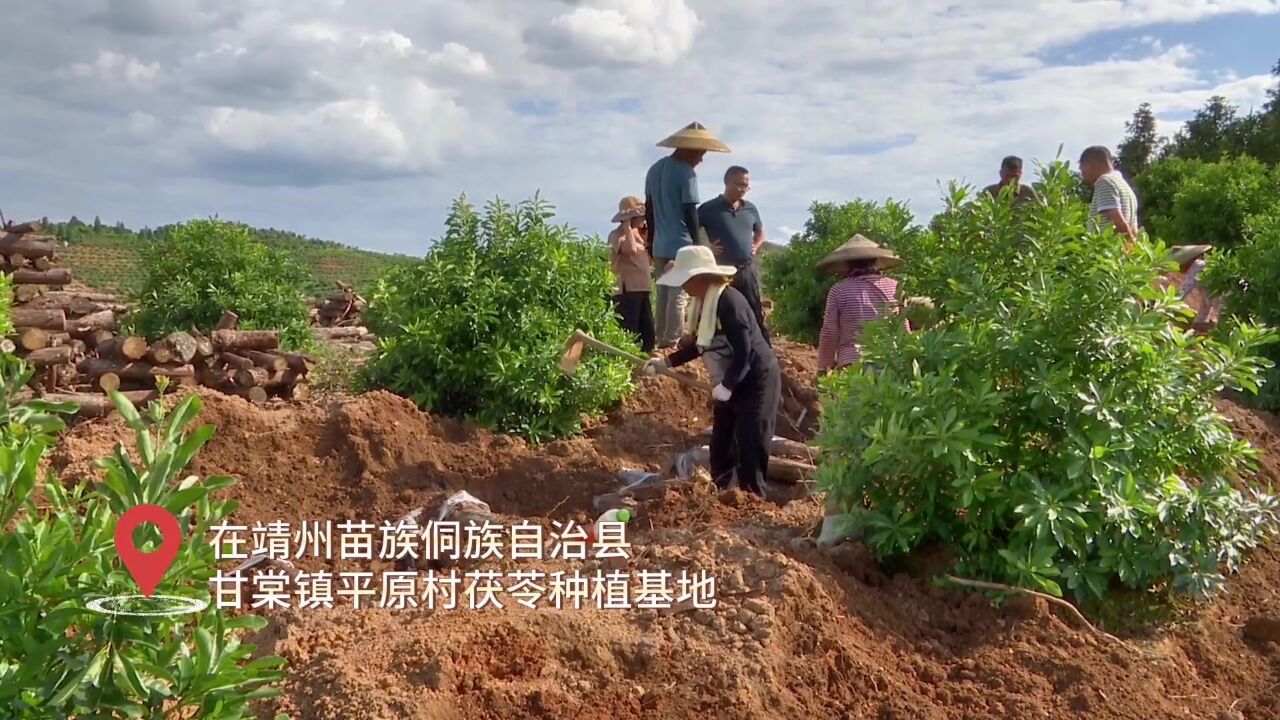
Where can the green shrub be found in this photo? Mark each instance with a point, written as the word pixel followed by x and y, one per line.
pixel 198 269
pixel 1054 426
pixel 6 303
pixel 477 329
pixel 1188 202
pixel 798 290
pixel 1247 279
pixel 59 659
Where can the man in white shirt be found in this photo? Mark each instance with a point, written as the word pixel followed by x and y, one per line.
pixel 1113 199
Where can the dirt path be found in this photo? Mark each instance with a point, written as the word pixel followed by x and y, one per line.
pixel 798 633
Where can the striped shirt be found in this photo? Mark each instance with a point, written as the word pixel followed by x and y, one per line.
pixel 862 296
pixel 1111 192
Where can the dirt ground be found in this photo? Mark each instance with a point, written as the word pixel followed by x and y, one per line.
pixel 798 633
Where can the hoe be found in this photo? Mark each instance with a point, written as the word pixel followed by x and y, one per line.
pixel 573 355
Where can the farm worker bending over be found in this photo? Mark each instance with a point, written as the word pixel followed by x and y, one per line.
pixel 862 295
pixel 748 381
pixel 1190 259
pixel 671 204
pixel 630 259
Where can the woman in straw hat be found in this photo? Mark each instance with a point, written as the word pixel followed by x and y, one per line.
pixel 742 365
pixel 862 295
pixel 671 200
pixel 629 257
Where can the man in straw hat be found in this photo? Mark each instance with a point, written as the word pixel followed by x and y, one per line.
pixel 671 201
pixel 863 294
pixel 629 256
pixel 742 365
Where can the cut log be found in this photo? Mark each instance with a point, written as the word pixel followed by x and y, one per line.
pixel 42 263
pixel 50 356
pixel 283 380
pixel 125 347
pixel 97 338
pixel 227 321
pixel 85 326
pixel 58 339
pixel 55 320
pixel 240 340
pixel 300 363
pixel 269 361
pixel 300 391
pixel 27 245
pixel 26 227
pixel 97 367
pixel 255 395
pixel 182 346
pixel 78 347
pixel 781 470
pixel 93 405
pixel 159 354
pixel 204 346
pixel 109 381
pixel 29 276
pixel 253 377
pixel 33 339
pixel 23 294
pixel 60 298
pixel 235 362
pixel 358 332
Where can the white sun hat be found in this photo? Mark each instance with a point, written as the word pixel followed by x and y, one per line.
pixel 692 261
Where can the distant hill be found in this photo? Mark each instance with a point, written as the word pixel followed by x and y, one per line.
pixel 106 257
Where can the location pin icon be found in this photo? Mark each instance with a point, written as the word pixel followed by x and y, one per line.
pixel 148 569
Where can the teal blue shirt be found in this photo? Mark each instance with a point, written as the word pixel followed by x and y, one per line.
pixel 670 185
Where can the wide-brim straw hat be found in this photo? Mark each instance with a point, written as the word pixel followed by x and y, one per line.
pixel 691 262
pixel 629 207
pixel 1183 254
pixel 695 136
pixel 858 248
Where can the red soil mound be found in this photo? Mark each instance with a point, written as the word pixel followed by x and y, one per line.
pixel 798 633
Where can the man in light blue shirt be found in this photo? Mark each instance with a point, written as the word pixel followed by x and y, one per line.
pixel 671 205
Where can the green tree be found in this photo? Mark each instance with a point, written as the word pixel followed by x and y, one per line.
pixel 1141 142
pixel 1051 423
pixel 798 291
pixel 1191 202
pixel 1211 134
pixel 476 330
pixel 59 659
pixel 195 271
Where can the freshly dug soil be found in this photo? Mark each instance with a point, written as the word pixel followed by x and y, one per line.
pixel 798 633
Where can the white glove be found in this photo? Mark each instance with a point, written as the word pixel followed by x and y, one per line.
pixel 721 393
pixel 654 366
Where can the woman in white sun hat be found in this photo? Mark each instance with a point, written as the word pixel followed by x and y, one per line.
pixel 723 331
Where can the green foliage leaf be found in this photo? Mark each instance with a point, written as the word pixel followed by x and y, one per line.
pixel 1054 424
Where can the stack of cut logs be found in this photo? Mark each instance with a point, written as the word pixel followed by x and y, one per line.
pixel 68 337
pixel 339 319
pixel 341 309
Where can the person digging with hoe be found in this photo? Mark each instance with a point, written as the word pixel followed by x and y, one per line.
pixel 742 366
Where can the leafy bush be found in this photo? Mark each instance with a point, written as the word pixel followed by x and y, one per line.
pixel 1247 279
pixel 477 329
pixel 1052 425
pixel 59 659
pixel 798 291
pixel 198 269
pixel 6 302
pixel 1188 202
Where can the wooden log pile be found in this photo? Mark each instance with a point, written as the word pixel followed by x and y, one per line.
pixel 344 308
pixel 70 338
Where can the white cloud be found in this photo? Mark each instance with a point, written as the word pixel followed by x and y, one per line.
pixel 280 112
pixel 626 32
pixel 113 71
pixel 458 58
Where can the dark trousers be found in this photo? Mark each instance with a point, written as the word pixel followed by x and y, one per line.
pixel 636 315
pixel 747 281
pixel 742 431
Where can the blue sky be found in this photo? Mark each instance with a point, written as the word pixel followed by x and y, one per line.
pixel 361 121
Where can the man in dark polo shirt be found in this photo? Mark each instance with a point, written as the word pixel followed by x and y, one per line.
pixel 1011 174
pixel 736 234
